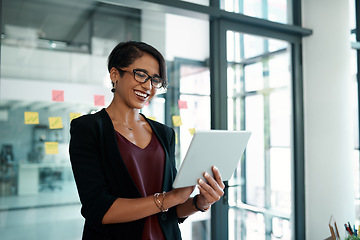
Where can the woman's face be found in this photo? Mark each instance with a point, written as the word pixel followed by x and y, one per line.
pixel 133 93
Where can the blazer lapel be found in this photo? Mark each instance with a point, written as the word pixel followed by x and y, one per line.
pixel 168 173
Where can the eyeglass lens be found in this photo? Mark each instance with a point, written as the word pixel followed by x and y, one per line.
pixel 142 76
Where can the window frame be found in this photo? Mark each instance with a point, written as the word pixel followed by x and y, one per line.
pixel 218 66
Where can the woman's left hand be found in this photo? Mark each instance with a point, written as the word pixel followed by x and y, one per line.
pixel 210 191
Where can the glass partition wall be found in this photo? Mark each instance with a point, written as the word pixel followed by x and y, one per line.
pixel 54 69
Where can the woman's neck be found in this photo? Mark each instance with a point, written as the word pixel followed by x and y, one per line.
pixel 121 113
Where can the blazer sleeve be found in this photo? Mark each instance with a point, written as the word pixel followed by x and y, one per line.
pixel 88 172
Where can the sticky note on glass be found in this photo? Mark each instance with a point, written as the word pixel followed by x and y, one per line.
pixel 51 148
pixel 74 115
pixel 99 100
pixel 192 131
pixel 58 95
pixel 182 104
pixel 31 117
pixel 55 123
pixel 176 121
pixel 152 118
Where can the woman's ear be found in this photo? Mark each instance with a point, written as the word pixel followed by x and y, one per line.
pixel 113 75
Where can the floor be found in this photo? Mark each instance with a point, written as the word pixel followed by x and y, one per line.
pixel 55 223
pixel 55 215
pixel 49 215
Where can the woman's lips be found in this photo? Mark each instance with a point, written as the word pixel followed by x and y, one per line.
pixel 141 94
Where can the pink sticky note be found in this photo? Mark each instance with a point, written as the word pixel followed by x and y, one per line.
pixel 99 100
pixel 58 95
pixel 182 104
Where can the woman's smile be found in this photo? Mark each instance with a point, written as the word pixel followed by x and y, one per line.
pixel 141 95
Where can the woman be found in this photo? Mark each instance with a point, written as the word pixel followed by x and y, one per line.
pixel 124 163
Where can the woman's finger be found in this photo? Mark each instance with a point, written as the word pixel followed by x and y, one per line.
pixel 210 199
pixel 217 177
pixel 213 184
pixel 212 192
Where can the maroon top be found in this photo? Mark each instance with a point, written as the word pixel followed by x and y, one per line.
pixel 146 167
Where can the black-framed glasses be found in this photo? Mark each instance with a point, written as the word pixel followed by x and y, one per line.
pixel 142 77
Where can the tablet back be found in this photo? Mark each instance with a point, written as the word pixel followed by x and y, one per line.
pixel 219 148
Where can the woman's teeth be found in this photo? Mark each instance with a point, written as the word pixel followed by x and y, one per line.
pixel 144 95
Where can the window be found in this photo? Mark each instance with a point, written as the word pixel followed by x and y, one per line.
pixel 273 10
pixel 259 101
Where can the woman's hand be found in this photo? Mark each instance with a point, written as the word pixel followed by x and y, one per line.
pixel 181 194
pixel 210 191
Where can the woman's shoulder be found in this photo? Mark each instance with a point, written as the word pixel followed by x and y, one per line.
pixel 90 119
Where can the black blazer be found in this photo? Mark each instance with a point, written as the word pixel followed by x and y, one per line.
pixel 101 176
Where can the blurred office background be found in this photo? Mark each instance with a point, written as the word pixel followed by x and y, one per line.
pixel 285 70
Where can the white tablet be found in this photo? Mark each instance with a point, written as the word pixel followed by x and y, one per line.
pixel 219 148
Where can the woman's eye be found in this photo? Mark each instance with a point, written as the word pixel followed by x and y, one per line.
pixel 156 80
pixel 141 74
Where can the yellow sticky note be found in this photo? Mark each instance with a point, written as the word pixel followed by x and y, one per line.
pixel 31 117
pixel 51 148
pixel 152 118
pixel 192 131
pixel 176 121
pixel 55 123
pixel 74 115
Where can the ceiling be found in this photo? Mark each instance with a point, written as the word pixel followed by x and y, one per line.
pixel 71 21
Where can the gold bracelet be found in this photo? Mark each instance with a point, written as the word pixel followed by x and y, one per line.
pixel 156 200
pixel 162 203
pixel 158 203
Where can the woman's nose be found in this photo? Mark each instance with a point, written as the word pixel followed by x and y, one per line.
pixel 147 84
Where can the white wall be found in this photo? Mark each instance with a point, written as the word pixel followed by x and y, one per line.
pixel 328 127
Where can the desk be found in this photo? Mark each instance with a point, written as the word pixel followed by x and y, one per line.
pixel 28 178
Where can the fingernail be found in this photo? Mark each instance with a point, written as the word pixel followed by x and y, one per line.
pixel 215 168
pixel 200 180
pixel 206 174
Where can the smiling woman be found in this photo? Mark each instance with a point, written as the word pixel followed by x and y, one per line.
pixel 124 163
